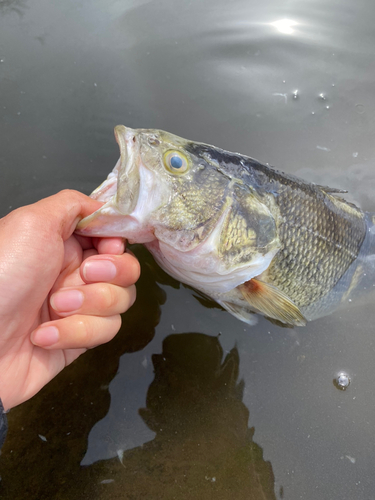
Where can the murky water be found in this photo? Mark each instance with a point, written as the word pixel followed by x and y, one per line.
pixel 188 402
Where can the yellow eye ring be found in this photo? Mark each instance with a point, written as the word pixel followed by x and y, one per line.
pixel 176 162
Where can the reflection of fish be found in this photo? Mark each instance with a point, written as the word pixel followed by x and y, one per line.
pixel 203 446
pixel 252 238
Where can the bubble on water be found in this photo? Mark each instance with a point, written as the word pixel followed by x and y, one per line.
pixel 279 94
pixel 360 108
pixel 342 381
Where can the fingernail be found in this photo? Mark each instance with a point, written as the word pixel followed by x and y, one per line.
pixel 99 270
pixel 45 336
pixel 67 300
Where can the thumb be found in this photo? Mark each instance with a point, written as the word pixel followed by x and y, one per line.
pixel 64 210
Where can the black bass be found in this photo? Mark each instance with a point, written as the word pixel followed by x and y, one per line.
pixel 250 237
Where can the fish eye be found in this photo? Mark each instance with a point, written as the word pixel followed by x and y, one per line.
pixel 176 162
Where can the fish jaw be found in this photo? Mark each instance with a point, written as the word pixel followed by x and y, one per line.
pixel 109 222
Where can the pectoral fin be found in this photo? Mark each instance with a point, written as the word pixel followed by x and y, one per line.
pixel 239 312
pixel 272 302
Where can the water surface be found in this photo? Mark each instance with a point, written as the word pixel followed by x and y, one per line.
pixel 188 402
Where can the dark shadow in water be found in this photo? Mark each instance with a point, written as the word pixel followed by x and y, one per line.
pixel 203 446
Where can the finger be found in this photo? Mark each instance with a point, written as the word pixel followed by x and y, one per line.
pixel 122 270
pixel 76 332
pixel 100 299
pixel 65 209
pixel 114 246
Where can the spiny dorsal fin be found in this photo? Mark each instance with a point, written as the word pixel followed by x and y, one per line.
pixel 330 190
pixel 271 302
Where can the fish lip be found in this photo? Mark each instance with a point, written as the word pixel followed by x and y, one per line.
pixel 128 178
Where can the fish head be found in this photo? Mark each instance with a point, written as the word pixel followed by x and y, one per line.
pixel 135 188
pixel 159 188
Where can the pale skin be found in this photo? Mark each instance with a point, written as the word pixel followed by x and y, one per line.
pixel 60 294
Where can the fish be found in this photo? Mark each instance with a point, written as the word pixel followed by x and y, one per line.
pixel 254 239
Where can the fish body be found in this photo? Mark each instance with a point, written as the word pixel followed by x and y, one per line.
pixel 252 238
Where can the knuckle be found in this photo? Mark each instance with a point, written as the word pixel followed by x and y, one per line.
pixel 108 296
pixel 29 222
pixel 84 331
pixel 68 193
pixel 25 218
pixel 94 331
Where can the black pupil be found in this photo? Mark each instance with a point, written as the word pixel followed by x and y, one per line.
pixel 176 162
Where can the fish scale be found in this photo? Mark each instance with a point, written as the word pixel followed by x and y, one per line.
pixel 319 242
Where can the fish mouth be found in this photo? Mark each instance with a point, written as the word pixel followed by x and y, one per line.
pixel 120 191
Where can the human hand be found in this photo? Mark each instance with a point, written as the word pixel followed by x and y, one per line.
pixel 60 293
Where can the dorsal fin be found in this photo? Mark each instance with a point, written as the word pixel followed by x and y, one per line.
pixel 330 190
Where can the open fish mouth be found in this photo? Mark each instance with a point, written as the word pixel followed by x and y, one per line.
pixel 123 182
pixel 120 191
